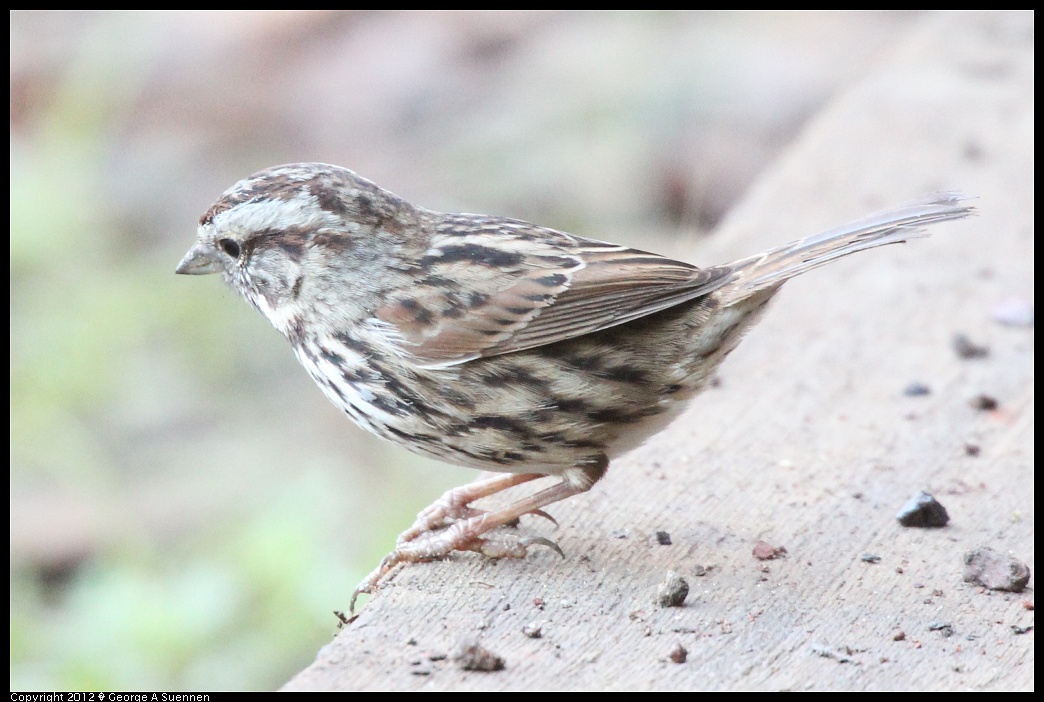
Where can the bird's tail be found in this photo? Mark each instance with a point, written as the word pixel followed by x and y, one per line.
pixel 892 226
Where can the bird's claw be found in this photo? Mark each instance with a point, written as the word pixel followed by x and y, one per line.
pixel 443 543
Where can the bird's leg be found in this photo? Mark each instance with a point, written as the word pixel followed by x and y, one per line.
pixel 468 534
pixel 455 504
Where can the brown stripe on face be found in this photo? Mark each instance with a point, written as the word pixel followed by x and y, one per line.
pixel 292 240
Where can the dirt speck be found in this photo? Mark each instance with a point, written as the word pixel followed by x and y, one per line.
pixel 967 349
pixel 984 403
pixel 916 389
pixel 765 551
pixel 472 656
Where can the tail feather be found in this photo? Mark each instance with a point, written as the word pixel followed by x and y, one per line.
pixel 892 226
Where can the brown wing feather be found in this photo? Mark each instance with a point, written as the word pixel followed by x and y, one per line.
pixel 526 287
pixel 613 287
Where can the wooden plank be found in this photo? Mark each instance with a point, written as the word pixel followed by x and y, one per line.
pixel 808 443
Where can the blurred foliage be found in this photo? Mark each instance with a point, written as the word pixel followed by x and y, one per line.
pixel 236 609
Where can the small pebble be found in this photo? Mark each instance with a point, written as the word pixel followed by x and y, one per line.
pixel 923 510
pixel 472 656
pixel 966 348
pixel 672 591
pixel 996 571
pixel 916 389
pixel 532 630
pixel 764 551
pixel 984 403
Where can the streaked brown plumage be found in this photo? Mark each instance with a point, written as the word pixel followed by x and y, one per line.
pixel 490 342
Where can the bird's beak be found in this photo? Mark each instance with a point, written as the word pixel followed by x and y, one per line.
pixel 200 260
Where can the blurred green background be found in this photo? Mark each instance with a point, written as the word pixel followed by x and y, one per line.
pixel 187 510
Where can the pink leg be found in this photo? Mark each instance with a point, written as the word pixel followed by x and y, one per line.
pixel 467 527
pixel 454 505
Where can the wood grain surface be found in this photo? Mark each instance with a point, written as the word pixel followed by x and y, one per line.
pixel 808 442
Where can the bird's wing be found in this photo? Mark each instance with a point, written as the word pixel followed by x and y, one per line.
pixel 491 286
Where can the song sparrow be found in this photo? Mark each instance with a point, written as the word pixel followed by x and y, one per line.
pixel 491 342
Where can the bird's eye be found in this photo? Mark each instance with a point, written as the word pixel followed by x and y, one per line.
pixel 230 247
